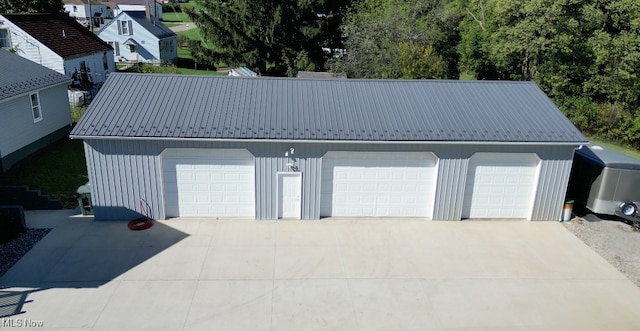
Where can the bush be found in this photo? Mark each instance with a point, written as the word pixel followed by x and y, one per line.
pixel 77 112
pixel 172 6
pixel 154 69
pixel 10 228
pixel 183 40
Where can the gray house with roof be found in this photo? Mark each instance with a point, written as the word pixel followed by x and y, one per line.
pixel 136 37
pixel 270 148
pixel 34 107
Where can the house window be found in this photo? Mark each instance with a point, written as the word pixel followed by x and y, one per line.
pixel 35 108
pixel 124 28
pixel 116 47
pixel 75 9
pixel 5 41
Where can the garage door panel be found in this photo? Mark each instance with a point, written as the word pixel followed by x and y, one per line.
pixel 378 184
pixel 500 185
pixel 208 182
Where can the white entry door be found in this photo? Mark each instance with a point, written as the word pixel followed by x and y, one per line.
pixel 289 194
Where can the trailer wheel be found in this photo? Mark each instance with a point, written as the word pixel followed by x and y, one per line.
pixel 628 208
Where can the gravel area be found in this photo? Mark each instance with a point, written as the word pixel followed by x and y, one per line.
pixel 12 251
pixel 614 240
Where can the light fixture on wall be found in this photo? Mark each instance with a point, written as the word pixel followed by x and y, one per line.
pixel 289 151
pixel 292 161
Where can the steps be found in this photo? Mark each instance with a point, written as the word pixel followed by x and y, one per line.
pixel 27 198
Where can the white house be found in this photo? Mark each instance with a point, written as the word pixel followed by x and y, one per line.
pixel 33 108
pixel 60 43
pixel 153 7
pixel 83 10
pixel 136 37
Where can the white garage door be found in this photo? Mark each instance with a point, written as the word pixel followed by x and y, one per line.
pixel 378 184
pixel 208 182
pixel 500 185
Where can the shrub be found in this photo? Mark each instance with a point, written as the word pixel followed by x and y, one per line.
pixel 10 228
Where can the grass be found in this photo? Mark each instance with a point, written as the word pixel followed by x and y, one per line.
pixel 184 53
pixel 622 149
pixel 192 34
pixel 175 17
pixel 186 71
pixel 57 170
pixel 467 76
pixel 170 25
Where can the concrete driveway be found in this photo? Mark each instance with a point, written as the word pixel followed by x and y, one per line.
pixel 193 274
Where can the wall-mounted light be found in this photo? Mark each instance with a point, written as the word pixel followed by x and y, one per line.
pixel 289 151
pixel 292 163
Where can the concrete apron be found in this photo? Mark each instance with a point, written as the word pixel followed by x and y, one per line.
pixel 334 274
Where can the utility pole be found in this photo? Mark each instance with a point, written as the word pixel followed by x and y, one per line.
pixel 90 17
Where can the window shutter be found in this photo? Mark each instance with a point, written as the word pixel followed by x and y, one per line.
pixel 117 47
pixel 130 28
pixel 119 27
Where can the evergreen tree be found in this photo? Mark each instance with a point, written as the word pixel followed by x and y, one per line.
pixel 30 6
pixel 275 37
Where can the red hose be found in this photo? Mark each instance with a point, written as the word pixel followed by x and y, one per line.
pixel 141 223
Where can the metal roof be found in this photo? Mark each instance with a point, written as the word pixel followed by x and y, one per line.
pixel 19 75
pixel 209 107
pixel 608 157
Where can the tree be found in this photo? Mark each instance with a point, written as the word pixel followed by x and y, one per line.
pixel 584 53
pixel 614 75
pixel 30 6
pixel 277 37
pixel 399 39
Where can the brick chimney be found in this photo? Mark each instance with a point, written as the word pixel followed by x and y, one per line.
pixel 147 11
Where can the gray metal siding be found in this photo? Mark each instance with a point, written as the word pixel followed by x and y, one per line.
pixel 450 188
pixel 124 171
pixel 552 184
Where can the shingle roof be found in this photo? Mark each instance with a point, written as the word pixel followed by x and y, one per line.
pixel 19 75
pixel 181 106
pixel 59 32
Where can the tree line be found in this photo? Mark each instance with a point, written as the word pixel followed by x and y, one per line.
pixel 585 54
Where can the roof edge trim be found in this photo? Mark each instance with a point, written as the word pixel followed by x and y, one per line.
pixel 423 142
pixel 43 87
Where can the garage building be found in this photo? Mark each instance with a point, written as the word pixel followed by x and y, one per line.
pixel 270 148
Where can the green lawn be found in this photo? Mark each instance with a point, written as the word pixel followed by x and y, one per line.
pixel 192 34
pixel 175 17
pixel 467 76
pixel 625 150
pixel 57 170
pixel 186 71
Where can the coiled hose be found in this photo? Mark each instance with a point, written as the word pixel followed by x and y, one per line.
pixel 141 223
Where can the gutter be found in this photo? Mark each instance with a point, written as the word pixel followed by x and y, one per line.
pixel 399 142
